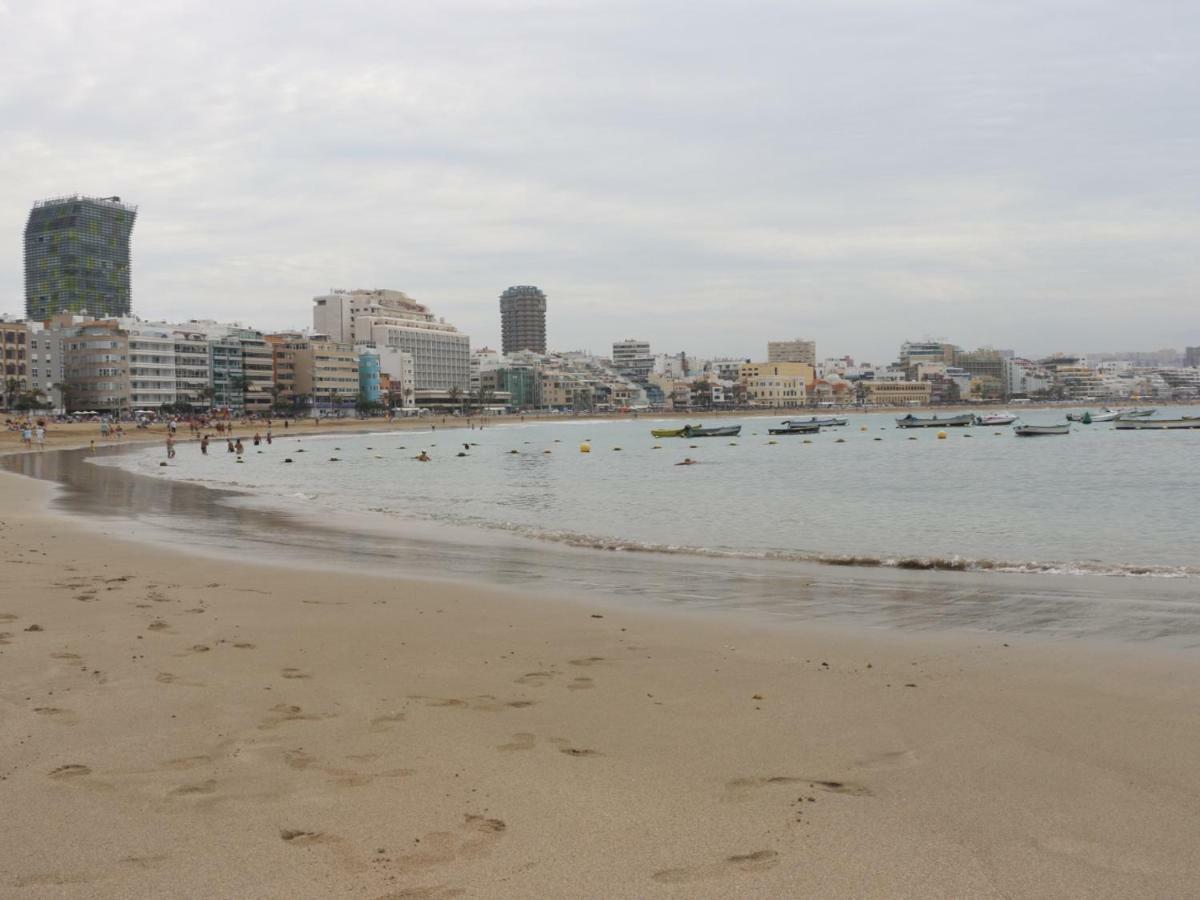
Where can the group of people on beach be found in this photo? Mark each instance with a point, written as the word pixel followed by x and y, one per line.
pixel 232 444
pixel 32 433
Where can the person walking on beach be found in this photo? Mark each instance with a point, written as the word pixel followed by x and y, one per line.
pixel 40 434
pixel 170 446
pixel 27 436
pixel 104 429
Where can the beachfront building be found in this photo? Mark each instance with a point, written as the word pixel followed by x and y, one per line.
pixel 750 370
pixel 96 368
pixel 313 371
pixel 368 376
pixel 523 319
pixel 391 320
pixel 1024 378
pixel 14 361
pixel 193 377
pixel 151 364
pixel 896 393
pixel 632 359
pixel 228 373
pixel 775 390
pixel 77 257
pixel 793 351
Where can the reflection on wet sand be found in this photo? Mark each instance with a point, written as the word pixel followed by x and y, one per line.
pixel 183 515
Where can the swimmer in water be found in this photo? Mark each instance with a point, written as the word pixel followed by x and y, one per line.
pixel 687 461
pixel 423 457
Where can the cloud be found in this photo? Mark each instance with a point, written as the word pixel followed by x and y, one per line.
pixel 705 175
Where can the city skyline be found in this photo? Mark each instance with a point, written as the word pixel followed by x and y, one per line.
pixel 1016 177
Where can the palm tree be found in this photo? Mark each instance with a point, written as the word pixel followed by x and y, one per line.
pixel 455 395
pixel 12 390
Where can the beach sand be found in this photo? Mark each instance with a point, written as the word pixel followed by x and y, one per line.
pixel 172 726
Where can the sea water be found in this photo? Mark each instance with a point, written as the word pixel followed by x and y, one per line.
pixel 868 494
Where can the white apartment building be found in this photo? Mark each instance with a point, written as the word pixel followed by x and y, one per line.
pixel 151 363
pixel 632 357
pixel 193 375
pixel 384 319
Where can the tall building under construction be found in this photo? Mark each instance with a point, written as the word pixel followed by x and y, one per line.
pixel 523 319
pixel 77 257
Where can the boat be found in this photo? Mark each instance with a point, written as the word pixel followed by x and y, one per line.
pixel 671 432
pixel 1135 414
pixel 796 427
pixel 823 421
pixel 1000 418
pixel 911 421
pixel 1089 418
pixel 1156 424
pixel 722 431
pixel 1039 430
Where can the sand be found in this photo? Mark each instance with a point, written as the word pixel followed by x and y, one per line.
pixel 172 726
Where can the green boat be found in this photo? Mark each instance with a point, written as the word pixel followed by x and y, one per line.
pixel 672 432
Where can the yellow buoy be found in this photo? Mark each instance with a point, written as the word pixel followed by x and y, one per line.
pixel 941 435
pixel 585 448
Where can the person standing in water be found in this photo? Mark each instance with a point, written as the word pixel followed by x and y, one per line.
pixel 238 448
pixel 204 445
pixel 170 446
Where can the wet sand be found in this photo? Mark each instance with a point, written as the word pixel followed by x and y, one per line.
pixel 175 725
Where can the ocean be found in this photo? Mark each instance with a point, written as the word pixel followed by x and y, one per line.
pixel 867 494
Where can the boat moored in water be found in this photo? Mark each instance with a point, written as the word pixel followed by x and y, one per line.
pixel 1135 413
pixel 796 427
pixel 823 421
pixel 671 432
pixel 1157 424
pixel 911 421
pixel 1040 430
pixel 722 431
pixel 1000 418
pixel 1089 418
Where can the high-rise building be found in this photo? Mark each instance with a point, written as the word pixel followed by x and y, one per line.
pixel 794 351
pixel 393 321
pixel 1191 357
pixel 632 358
pixel 77 257
pixel 523 319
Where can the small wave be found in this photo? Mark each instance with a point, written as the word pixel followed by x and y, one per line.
pixel 910 563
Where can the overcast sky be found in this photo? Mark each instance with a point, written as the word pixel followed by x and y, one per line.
pixel 704 175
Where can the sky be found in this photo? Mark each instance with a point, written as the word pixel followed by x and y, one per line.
pixel 704 175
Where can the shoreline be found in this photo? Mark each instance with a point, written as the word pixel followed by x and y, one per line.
pixel 183 725
pixel 223 523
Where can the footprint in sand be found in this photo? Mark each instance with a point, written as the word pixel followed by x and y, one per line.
pixel 745 863
pixel 5 638
pixel 535 679
pixel 158 625
pixel 385 722
pixel 243 645
pixel 72 770
pixel 200 648
pixel 482 703
pixel 189 762
pixel 586 661
pixel 580 684
pixel 295 673
pixel 521 741
pixel 892 759
pixel 208 786
pixel 298 759
pixel 145 862
pixel 474 838
pixel 165 678
pixel 299 837
pixel 62 716
pixel 436 892
pixel 65 656
pixel 8 617
pixel 740 788
pixel 285 712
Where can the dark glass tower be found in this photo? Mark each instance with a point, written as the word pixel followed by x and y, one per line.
pixel 523 319
pixel 77 257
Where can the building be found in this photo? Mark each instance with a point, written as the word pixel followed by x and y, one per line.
pixel 314 371
pixel 47 378
pixel 523 319
pixel 368 377
pixel 776 390
pixel 632 359
pixel 750 370
pixel 986 366
pixel 914 352
pixel 193 377
pixel 77 257
pixel 1191 357
pixel 391 320
pixel 797 351
pixel 151 356
pixel 96 368
pixel 15 338
pixel 896 393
